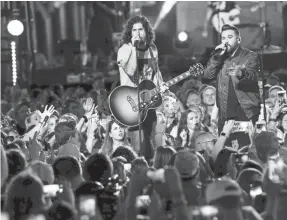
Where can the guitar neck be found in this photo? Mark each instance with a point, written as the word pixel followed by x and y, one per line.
pixel 176 80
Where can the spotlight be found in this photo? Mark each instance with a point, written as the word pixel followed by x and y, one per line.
pixel 182 36
pixel 15 28
pixel 181 41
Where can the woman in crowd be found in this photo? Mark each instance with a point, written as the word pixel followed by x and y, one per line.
pixel 189 125
pixel 115 137
pixel 167 119
pixel 162 156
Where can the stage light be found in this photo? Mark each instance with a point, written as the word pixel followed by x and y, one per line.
pixel 182 36
pixel 165 9
pixel 15 28
pixel 14 63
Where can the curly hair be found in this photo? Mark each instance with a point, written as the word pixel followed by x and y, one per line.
pixel 127 34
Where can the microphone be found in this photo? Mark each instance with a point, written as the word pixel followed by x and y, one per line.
pixel 137 43
pixel 218 51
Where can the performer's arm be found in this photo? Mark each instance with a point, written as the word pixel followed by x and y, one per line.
pixel 249 72
pixel 213 67
pixel 127 59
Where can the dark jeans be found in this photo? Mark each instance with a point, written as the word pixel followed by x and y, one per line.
pixel 147 139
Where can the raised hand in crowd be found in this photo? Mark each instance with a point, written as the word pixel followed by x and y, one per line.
pixel 92 126
pixel 227 128
pixel 34 147
pixel 90 112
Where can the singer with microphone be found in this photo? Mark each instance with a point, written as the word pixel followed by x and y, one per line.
pixel 236 70
pixel 138 57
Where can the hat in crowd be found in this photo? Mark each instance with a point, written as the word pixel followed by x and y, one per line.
pixel 186 163
pixel 69 149
pixel 222 188
pixel 272 80
pixel 249 176
pixel 205 87
pixel 252 164
pixel 266 145
pixel 44 171
pixel 276 87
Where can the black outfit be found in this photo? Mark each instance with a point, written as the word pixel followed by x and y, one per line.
pixel 237 98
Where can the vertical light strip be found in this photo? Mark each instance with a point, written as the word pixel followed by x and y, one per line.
pixel 14 63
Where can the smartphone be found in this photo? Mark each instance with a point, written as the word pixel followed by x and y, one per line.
pixel 282 98
pixel 156 175
pixel 241 158
pixel 241 126
pixel 205 212
pixel 142 204
pixel 52 190
pixel 143 201
pixel 87 205
pixel 260 126
pixel 36 217
pixel 4 216
pixel 255 191
pixel 127 167
pixel 275 167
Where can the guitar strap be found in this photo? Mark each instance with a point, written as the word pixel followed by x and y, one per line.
pixel 153 63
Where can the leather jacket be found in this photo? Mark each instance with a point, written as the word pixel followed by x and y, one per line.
pixel 246 87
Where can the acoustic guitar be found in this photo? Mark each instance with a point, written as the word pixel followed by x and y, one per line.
pixel 123 100
pixel 222 18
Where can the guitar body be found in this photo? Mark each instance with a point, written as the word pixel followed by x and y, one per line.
pixel 125 106
pixel 123 102
pixel 222 18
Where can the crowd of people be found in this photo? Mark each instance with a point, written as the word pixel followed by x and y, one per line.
pixel 64 156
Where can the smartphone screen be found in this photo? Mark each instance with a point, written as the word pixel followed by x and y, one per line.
pixel 275 167
pixel 142 204
pixel 255 191
pixel 127 167
pixel 87 205
pixel 282 98
pixel 52 190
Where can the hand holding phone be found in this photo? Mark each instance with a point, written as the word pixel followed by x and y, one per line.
pixel 87 205
pixel 281 97
pixel 275 169
pixel 156 176
pixel 52 190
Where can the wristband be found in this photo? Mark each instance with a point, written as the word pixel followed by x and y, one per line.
pixel 45 119
pixel 85 119
pixel 272 119
pixel 222 134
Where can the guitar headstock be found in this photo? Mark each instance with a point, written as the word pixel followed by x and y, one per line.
pixel 196 69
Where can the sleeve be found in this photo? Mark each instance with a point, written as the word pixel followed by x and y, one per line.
pixel 213 67
pixel 250 71
pixel 127 59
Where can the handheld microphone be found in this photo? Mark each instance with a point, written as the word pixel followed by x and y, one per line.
pixel 218 51
pixel 137 43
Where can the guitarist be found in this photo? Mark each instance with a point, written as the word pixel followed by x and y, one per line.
pixel 139 36
pixel 236 70
pixel 214 9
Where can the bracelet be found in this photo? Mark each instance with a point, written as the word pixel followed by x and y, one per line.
pixel 85 119
pixel 272 119
pixel 223 134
